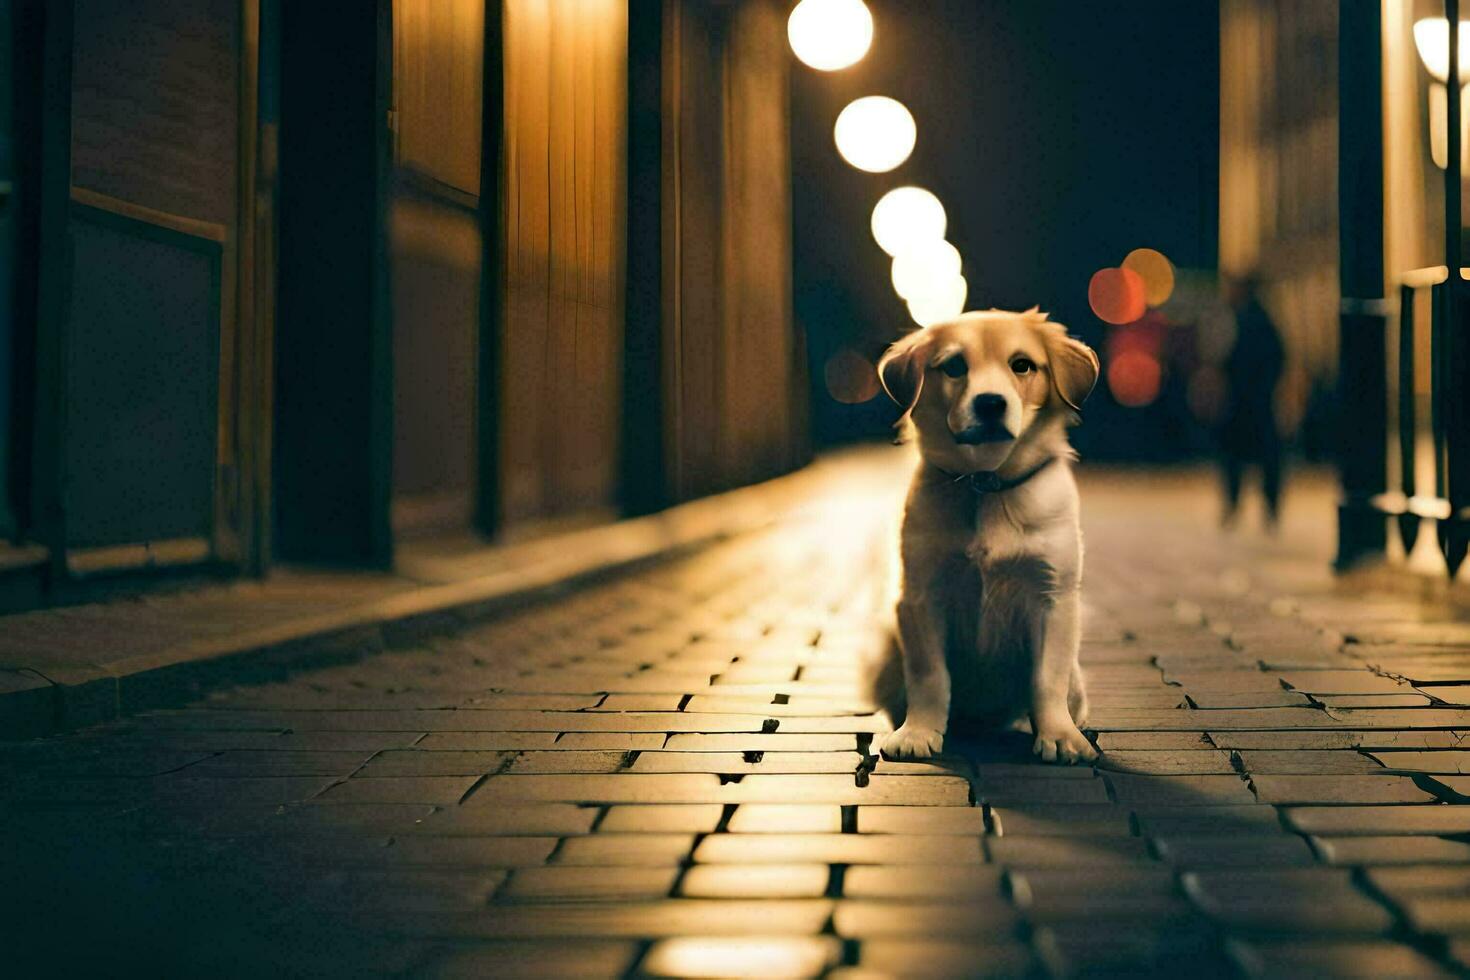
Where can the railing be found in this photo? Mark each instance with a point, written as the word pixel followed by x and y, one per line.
pixel 1431 458
pixel 1438 488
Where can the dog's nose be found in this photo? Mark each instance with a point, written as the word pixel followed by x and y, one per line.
pixel 990 407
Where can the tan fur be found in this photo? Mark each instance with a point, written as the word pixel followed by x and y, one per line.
pixel 988 610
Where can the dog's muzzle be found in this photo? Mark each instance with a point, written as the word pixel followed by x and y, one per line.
pixel 976 435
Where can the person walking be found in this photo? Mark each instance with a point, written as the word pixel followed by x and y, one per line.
pixel 1248 428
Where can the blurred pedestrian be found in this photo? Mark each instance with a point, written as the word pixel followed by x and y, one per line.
pixel 1248 428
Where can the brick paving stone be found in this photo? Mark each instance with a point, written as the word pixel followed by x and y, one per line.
pixel 752 956
pixel 249 762
pixel 567 762
pixel 1342 682
pixel 470 741
pixel 839 849
pixel 873 918
pixel 571 883
pixel 1207 821
pixel 1428 879
pixel 1442 914
pixel 1354 851
pixel 1053 885
pixel 1179 790
pixel 781 818
pixel 472 852
pixel 1317 900
pixel 1448 762
pixel 669 917
pixel 1306 740
pixel 735 762
pixel 1017 791
pixel 1306 762
pixel 1335 701
pixel 611 850
pixel 1175 763
pixel 1368 960
pixel 692 818
pixel 1250 851
pixel 1163 950
pixel 1455 789
pixel 1338 789
pixel 399 789
pixel 576 960
pixel 1371 821
pixel 512 820
pixel 755 881
pixel 1214 700
pixel 1034 852
pixel 417 762
pixel 1096 820
pixel 968 881
pixel 754 742
pixel 914 820
pixel 1153 741
pixel 943 960
pixel 607 741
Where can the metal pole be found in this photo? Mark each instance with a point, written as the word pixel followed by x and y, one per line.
pixel 1362 532
pixel 1451 531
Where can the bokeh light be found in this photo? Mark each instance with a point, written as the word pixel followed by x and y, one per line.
pixel 875 133
pixel 945 302
pixel 1134 378
pixel 1432 38
pixel 925 268
pixel 905 218
pixel 830 34
pixel 1156 271
pixel 851 378
pixel 1116 295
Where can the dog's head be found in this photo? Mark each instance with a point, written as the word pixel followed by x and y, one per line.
pixel 979 385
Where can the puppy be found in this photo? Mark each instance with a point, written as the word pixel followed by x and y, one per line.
pixel 990 548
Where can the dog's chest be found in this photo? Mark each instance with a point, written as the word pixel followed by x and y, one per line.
pixel 1002 533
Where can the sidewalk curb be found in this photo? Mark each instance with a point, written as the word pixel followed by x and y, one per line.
pixel 33 704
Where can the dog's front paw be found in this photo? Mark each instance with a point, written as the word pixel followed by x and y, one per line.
pixel 912 742
pixel 1066 746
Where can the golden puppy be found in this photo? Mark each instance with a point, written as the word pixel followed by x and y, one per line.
pixel 990 548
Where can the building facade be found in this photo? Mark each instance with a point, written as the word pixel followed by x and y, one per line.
pixel 300 282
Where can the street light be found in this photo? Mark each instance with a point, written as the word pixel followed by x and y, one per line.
pixel 945 302
pixel 829 35
pixel 924 268
pixel 905 218
pixel 1432 40
pixel 875 133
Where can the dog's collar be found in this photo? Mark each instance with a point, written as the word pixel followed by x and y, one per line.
pixel 988 481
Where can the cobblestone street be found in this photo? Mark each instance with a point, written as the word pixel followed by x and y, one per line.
pixel 668 774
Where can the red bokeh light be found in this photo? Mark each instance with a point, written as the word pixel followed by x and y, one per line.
pixel 1116 295
pixel 851 377
pixel 1134 378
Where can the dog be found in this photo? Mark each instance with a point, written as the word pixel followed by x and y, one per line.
pixel 990 548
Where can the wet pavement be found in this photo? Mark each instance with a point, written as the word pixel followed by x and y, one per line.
pixel 669 774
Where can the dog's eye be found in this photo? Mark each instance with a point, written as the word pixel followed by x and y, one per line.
pixel 1023 365
pixel 954 367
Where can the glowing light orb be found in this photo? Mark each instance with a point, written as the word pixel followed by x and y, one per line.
pixel 943 303
pixel 926 268
pixel 851 378
pixel 1116 295
pixel 829 35
pixel 1432 38
pixel 1134 378
pixel 907 217
pixel 1156 271
pixel 875 133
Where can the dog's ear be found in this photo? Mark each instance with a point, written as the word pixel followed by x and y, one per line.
pixel 901 370
pixel 1074 369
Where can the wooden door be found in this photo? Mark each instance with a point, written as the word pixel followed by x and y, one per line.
pixel 138 459
pixel 435 251
pixel 560 349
